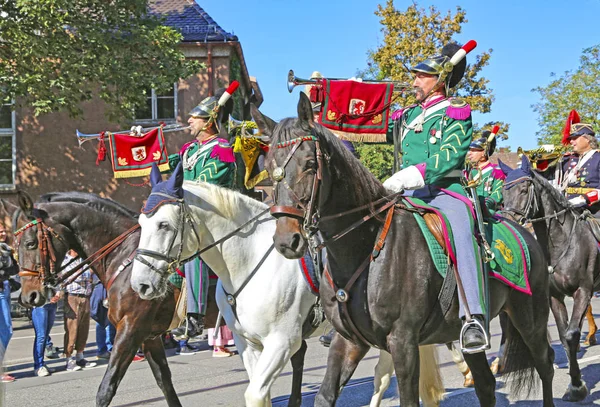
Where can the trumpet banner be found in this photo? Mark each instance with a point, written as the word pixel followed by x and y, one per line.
pixel 250 149
pixel 133 156
pixel 356 111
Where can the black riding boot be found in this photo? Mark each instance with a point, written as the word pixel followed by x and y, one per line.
pixel 474 336
pixel 194 326
pixel 327 338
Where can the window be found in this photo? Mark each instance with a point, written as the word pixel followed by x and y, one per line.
pixel 159 107
pixel 8 164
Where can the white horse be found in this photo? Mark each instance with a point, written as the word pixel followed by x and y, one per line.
pixel 274 303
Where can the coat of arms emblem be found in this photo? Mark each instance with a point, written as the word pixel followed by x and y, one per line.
pixel 139 153
pixel 357 106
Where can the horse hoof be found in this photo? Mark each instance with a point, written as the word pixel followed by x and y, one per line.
pixel 591 341
pixel 574 394
pixel 494 366
pixel 469 382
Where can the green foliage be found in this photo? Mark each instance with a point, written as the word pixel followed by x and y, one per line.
pixel 55 54
pixel 378 158
pixel 578 89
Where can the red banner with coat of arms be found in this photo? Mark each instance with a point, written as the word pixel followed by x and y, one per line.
pixel 356 111
pixel 132 156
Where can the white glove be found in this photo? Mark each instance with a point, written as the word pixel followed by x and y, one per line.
pixel 408 178
pixel 578 201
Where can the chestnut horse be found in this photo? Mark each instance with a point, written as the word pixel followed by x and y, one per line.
pixel 393 304
pixel 86 223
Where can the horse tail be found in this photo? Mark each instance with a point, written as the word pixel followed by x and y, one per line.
pixel 431 386
pixel 519 364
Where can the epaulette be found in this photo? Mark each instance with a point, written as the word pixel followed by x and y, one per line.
pixel 186 146
pixel 398 113
pixel 223 151
pixel 458 109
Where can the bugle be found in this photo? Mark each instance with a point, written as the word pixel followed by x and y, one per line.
pixel 82 137
pixel 293 81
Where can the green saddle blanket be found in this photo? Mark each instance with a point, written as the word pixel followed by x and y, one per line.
pixel 510 263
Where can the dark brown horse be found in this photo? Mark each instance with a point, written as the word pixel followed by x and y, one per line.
pixel 86 223
pixel 572 251
pixel 394 304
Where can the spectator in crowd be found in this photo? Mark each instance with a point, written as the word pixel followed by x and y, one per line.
pixel 77 313
pixel 43 320
pixel 105 331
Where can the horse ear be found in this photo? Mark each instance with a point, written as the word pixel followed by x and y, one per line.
pixel 505 168
pixel 305 113
pixel 155 176
pixel 264 123
pixel 175 182
pixel 525 164
pixel 25 203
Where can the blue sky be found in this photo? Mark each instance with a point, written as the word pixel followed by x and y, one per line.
pixel 530 40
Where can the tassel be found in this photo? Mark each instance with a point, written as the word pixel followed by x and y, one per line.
pixel 101 149
pixel 397 114
pixel 458 112
pixel 223 152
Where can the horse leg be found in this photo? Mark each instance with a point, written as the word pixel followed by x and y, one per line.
pixel 497 365
pixel 404 348
pixel 559 310
pixel 155 355
pixel 485 382
pixel 459 360
pixel 342 360
pixel 591 336
pixel 124 348
pixel 383 375
pixel 297 371
pixel 276 352
pixel 577 390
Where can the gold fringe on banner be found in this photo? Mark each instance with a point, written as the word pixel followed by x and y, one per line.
pixel 140 172
pixel 360 137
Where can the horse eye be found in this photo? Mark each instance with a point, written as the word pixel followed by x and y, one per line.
pixel 30 244
pixel 163 225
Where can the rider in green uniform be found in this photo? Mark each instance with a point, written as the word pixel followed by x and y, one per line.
pixel 210 159
pixel 491 177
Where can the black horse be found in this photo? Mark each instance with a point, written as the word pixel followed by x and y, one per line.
pixel 394 304
pixel 572 251
pixel 86 223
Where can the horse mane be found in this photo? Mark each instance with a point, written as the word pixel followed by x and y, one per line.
pixel 555 194
pixel 92 200
pixel 352 178
pixel 227 202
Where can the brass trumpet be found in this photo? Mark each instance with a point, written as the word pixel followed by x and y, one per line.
pixel 293 81
pixel 82 137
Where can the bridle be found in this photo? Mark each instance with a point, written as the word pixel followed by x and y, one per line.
pixel 46 250
pixel 308 214
pixel 173 263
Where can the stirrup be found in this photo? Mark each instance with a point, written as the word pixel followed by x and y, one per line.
pixel 470 351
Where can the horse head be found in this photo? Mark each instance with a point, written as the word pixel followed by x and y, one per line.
pixel 160 246
pixel 520 200
pixel 41 244
pixel 295 166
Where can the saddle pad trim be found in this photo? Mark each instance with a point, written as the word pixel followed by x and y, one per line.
pixel 518 238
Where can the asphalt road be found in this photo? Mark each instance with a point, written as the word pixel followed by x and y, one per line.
pixel 201 380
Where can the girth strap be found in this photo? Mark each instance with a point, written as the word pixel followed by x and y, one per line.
pixel 342 295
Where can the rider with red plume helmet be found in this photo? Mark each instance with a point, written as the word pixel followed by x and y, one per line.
pixel 432 138
pixel 581 169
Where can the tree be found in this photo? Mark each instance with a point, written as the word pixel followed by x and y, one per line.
pixel 55 54
pixel 410 37
pixel 577 89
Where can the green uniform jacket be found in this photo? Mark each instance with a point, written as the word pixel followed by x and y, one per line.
pixel 490 189
pixel 439 149
pixel 211 161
